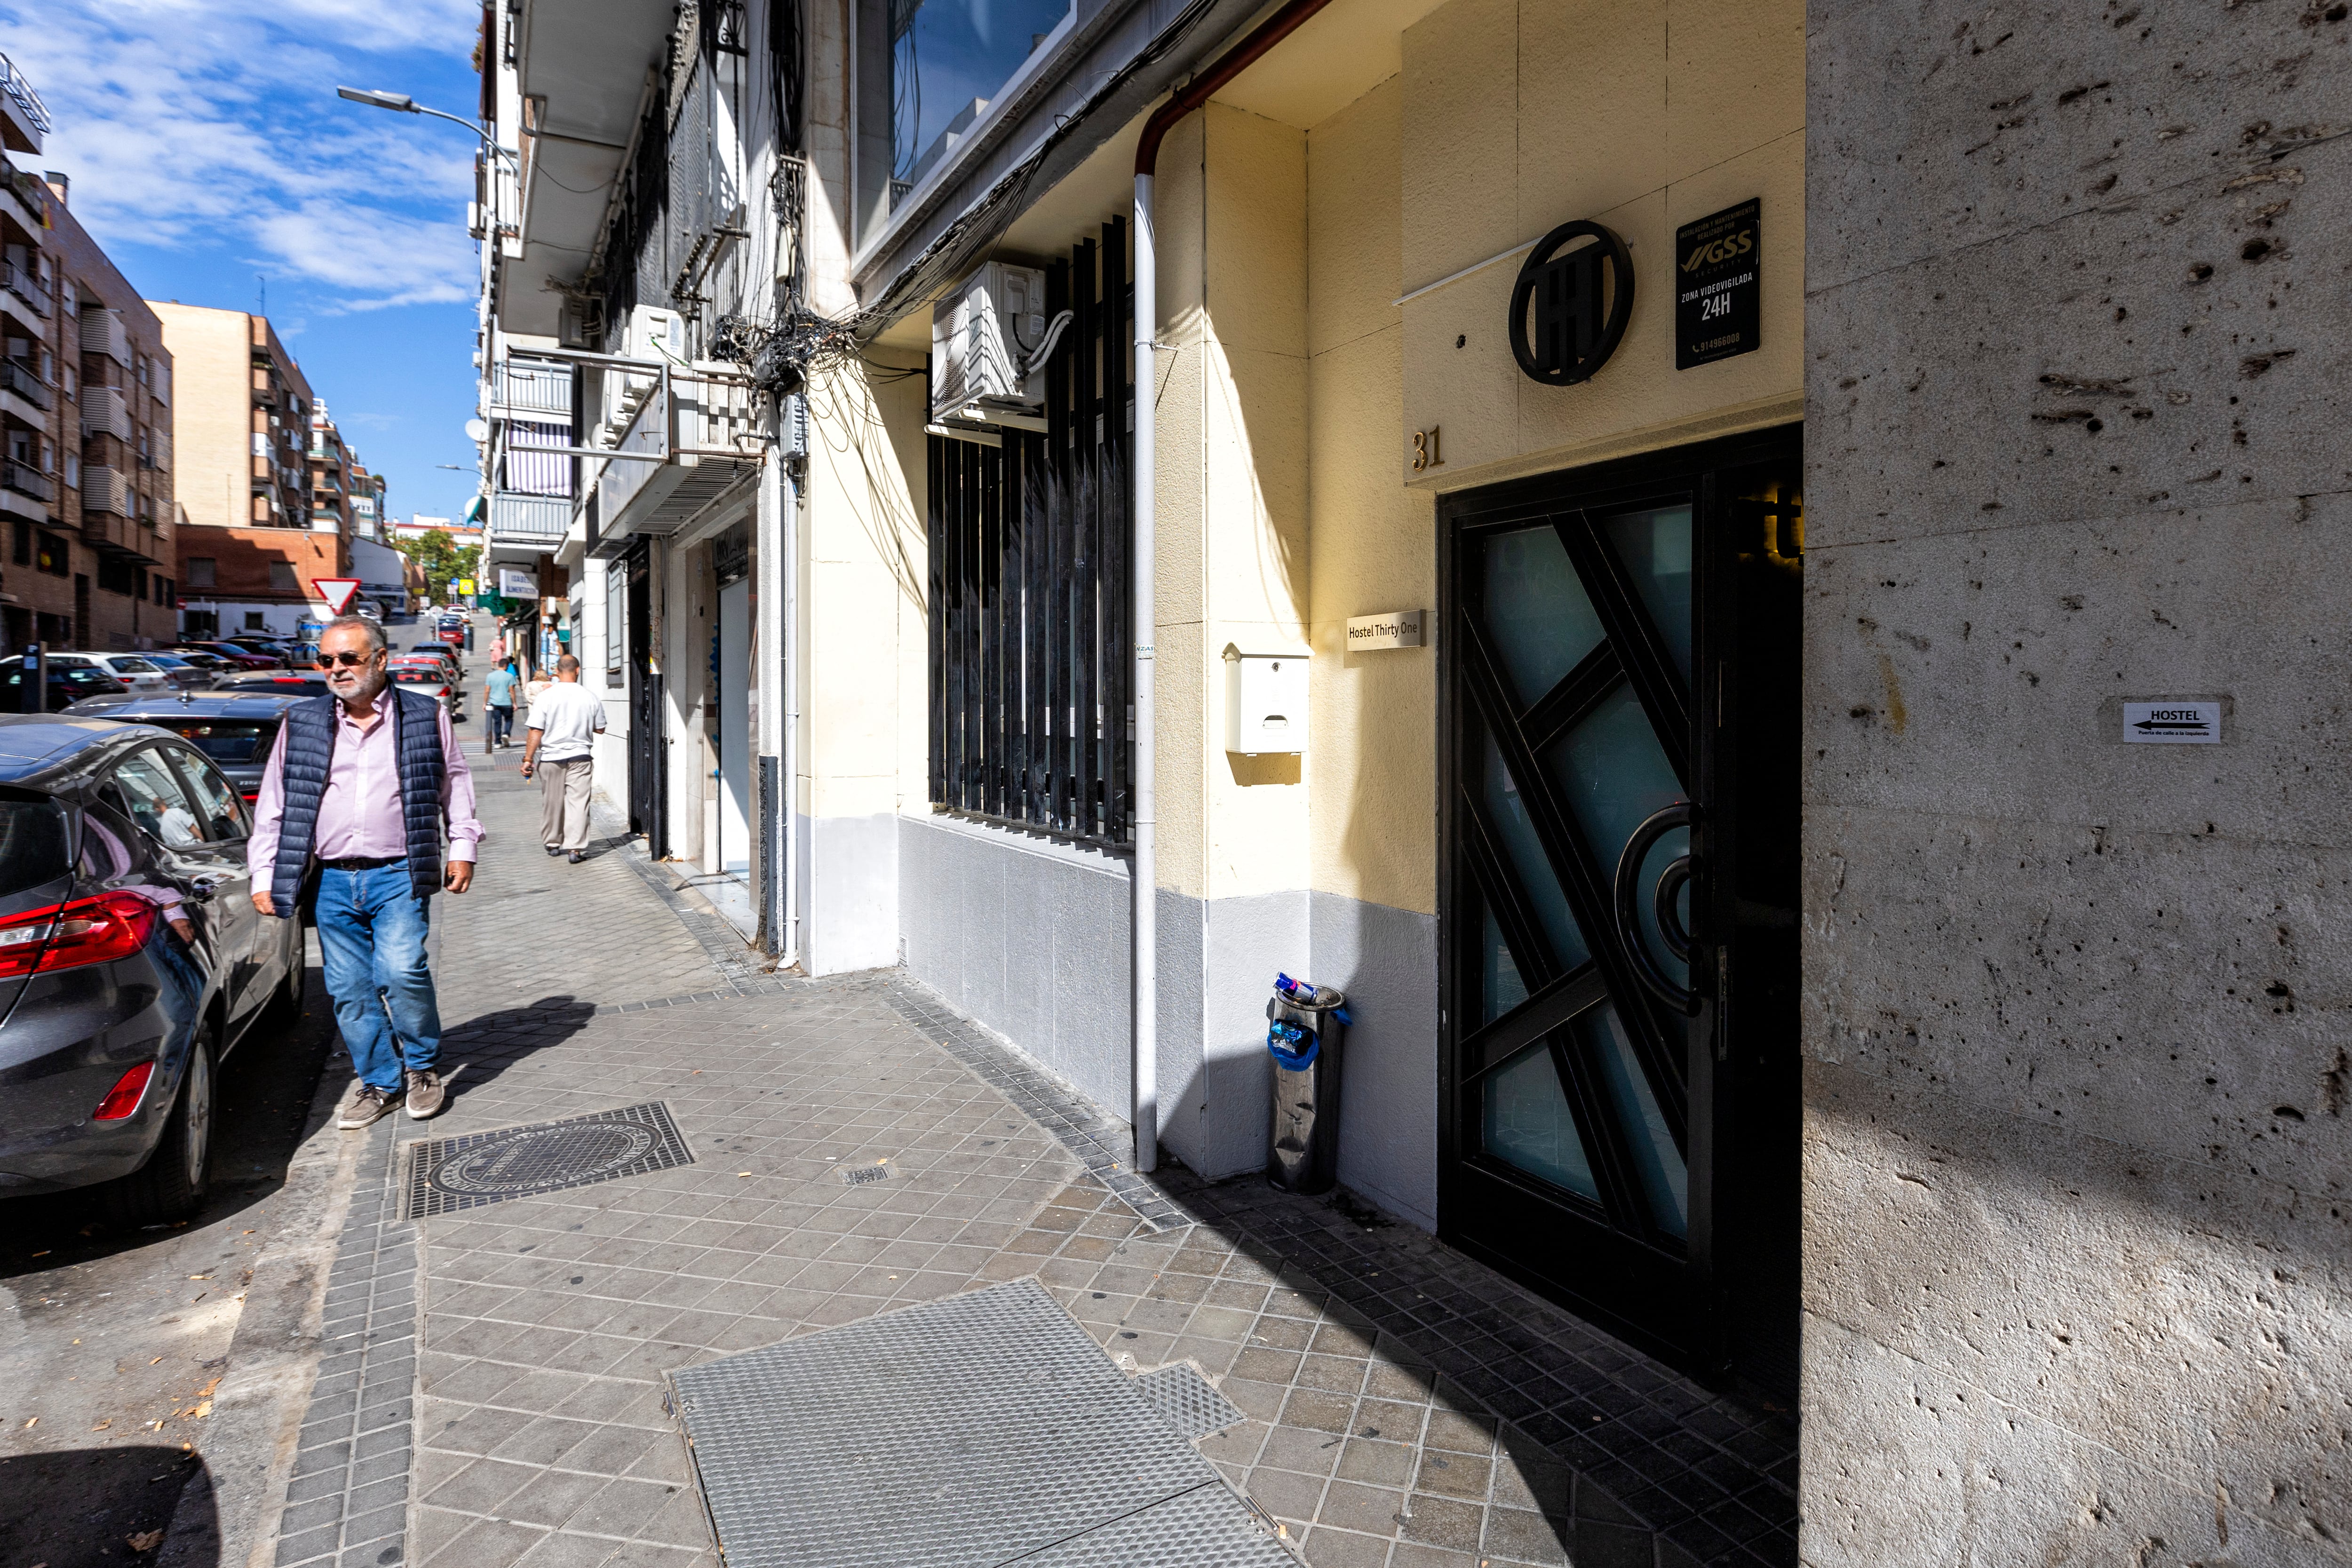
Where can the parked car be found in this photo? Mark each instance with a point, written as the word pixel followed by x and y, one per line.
pixel 131 961
pixel 427 676
pixel 234 728
pixel 134 670
pixel 185 674
pixel 240 657
pixel 288 682
pixel 63 685
pixel 210 663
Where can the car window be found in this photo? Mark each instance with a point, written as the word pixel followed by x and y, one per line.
pixel 152 798
pixel 230 742
pixel 105 849
pixel 135 666
pixel 68 661
pixel 32 843
pixel 217 804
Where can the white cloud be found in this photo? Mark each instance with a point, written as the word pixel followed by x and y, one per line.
pixel 184 123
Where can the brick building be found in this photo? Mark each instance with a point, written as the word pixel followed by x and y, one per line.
pixel 270 478
pixel 87 512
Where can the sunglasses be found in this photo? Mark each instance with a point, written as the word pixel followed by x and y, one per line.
pixel 346 658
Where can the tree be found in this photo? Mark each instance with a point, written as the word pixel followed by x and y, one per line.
pixel 442 560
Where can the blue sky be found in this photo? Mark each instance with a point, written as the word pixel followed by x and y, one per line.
pixel 208 151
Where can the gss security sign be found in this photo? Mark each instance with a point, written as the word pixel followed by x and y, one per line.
pixel 1718 298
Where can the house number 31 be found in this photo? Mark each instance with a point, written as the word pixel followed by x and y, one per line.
pixel 1426 452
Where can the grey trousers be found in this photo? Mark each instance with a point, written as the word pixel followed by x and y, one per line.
pixel 563 802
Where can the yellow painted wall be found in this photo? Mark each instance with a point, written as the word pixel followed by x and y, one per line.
pixel 1642 118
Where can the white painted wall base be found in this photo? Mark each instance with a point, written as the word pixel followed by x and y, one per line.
pixel 851 869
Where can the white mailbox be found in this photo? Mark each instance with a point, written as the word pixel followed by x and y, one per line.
pixel 1265 702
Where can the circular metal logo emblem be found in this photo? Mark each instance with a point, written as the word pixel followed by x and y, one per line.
pixel 1570 304
pixel 535 1158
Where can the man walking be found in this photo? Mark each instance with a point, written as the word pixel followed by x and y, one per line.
pixel 564 722
pixel 498 705
pixel 359 786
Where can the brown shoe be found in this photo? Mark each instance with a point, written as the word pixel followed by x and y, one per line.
pixel 368 1106
pixel 424 1094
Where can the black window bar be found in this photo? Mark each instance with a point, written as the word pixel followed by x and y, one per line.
pixel 1030 689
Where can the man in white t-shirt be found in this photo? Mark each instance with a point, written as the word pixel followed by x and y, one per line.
pixel 564 722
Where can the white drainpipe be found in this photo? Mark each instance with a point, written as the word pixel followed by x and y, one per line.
pixel 1145 1064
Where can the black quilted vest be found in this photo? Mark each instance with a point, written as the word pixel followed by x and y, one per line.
pixel 311 730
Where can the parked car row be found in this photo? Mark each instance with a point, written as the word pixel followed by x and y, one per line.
pixel 131 958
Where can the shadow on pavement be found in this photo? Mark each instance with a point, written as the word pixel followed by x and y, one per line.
pixel 476 1051
pixel 92 1508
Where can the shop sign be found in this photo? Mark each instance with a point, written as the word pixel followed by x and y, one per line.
pixel 1392 628
pixel 1719 310
pixel 1571 303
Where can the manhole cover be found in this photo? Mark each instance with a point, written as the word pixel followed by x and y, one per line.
pixel 449 1174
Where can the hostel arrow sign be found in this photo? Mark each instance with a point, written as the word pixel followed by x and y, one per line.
pixel 2158 726
pixel 337 591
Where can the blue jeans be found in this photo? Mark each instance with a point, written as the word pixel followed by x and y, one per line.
pixel 371 928
pixel 501 716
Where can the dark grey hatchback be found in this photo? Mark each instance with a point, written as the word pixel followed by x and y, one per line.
pixel 132 959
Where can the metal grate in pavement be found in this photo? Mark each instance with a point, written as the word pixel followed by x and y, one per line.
pixel 986 1428
pixel 1184 1399
pixel 1206 1524
pixel 446 1174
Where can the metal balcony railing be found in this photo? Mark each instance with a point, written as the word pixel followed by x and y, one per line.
pixel 517 518
pixel 20 92
pixel 27 481
pixel 20 379
pixel 25 285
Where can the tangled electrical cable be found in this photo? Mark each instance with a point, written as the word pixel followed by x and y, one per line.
pixel 782 355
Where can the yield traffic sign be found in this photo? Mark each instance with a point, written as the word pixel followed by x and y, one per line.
pixel 337 591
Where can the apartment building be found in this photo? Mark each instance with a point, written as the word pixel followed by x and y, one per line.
pixel 86 396
pixel 1730 574
pixel 266 491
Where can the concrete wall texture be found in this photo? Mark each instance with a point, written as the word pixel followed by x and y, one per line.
pixel 2078 1173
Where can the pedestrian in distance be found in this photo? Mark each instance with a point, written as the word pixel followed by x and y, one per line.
pixel 498 705
pixel 565 720
pixel 353 802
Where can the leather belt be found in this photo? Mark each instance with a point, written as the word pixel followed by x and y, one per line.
pixel 361 863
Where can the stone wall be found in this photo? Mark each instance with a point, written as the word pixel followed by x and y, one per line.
pixel 2077 1202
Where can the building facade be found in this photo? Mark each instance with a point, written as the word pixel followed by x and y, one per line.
pixel 1726 572
pixel 86 400
pixel 268 500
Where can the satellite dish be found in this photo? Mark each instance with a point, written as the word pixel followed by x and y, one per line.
pixel 477 430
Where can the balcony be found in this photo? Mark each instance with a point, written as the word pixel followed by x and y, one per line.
pixel 103 332
pixel 538 521
pixel 699 439
pixel 21 479
pixel 16 380
pixel 21 282
pixel 105 412
pixel 532 389
pixel 23 118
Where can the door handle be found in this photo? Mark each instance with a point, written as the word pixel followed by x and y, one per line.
pixel 1670 884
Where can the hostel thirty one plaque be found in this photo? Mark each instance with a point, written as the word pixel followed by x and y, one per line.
pixel 1716 308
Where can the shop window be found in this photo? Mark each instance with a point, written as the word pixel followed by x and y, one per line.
pixel 201 571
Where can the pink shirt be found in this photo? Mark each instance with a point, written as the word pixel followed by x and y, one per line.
pixel 359 816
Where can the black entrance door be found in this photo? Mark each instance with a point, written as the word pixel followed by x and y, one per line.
pixel 1621 837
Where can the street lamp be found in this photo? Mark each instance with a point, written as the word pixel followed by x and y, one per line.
pixel 400 103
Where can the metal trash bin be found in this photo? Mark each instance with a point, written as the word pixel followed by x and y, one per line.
pixel 1304 1038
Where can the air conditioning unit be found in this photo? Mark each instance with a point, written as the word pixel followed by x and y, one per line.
pixel 990 343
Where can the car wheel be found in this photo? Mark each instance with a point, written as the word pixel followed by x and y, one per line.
pixel 172 1185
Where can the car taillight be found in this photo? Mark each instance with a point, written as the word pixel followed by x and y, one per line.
pixel 87 931
pixel 123 1098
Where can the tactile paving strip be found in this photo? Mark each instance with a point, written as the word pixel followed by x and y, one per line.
pixel 1185 1400
pixel 445 1174
pixel 983 1429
